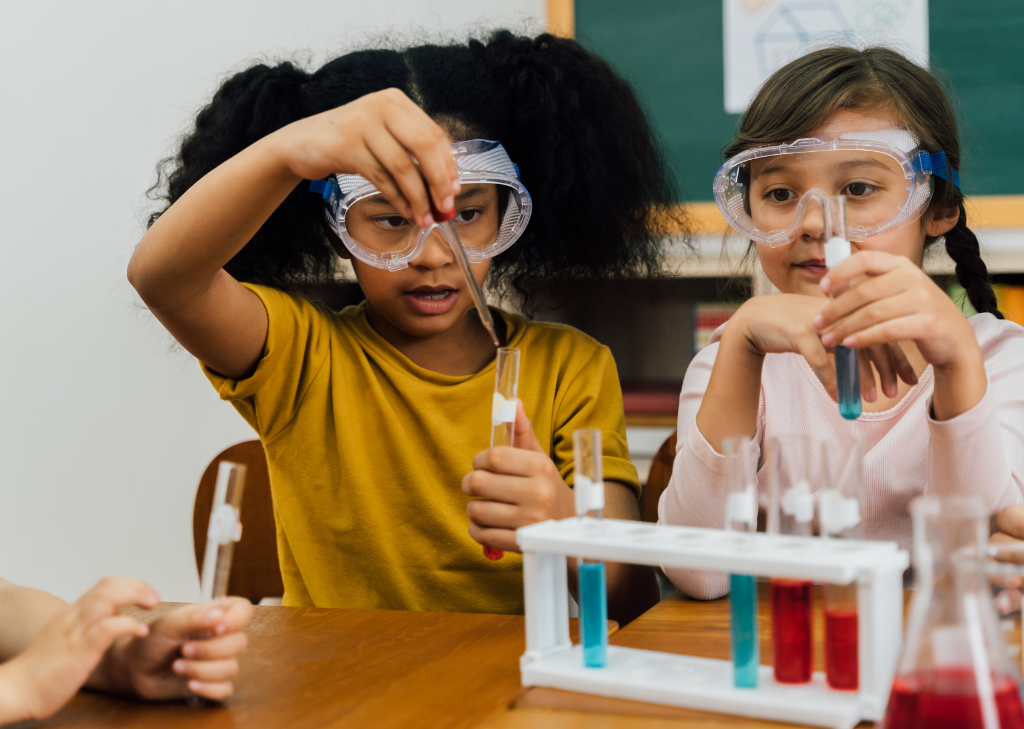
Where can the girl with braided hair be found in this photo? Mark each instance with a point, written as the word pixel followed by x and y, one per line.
pixel 375 419
pixel 943 394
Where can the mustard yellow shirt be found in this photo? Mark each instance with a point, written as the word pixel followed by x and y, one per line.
pixel 367 452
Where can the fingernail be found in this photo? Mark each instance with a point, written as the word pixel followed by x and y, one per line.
pixel 850 342
pixel 818 321
pixel 213 616
pixel 825 284
pixel 179 667
pixel 448 203
pixel 428 220
pixel 188 650
pixel 456 186
pixel 872 395
pixel 153 599
pixel 828 339
pixel 195 686
pixel 890 390
pixel 221 629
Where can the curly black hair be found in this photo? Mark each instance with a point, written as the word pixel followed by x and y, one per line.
pixel 603 196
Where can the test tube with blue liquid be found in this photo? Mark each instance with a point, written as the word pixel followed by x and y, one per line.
pixel 741 516
pixel 588 487
pixel 837 250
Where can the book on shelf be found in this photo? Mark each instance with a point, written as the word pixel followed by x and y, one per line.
pixel 707 317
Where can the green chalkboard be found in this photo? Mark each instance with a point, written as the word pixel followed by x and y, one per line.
pixel 671 51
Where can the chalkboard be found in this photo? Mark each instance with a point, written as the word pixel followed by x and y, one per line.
pixel 671 51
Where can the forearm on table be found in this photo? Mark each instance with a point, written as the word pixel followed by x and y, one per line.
pixel 730 402
pixel 11 709
pixel 23 613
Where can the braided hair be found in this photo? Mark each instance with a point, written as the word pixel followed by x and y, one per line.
pixel 603 196
pixel 804 94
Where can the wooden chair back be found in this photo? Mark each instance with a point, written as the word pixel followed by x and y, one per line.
pixel 255 571
pixel 657 479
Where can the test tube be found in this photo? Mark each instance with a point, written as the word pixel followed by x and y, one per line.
pixel 791 513
pixel 741 516
pixel 840 517
pixel 503 409
pixel 588 487
pixel 837 250
pixel 225 529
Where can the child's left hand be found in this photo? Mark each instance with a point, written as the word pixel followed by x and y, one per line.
pixel 894 300
pixel 192 649
pixel 514 487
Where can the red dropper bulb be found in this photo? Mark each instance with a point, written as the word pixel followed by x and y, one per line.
pixel 440 217
pixel 493 554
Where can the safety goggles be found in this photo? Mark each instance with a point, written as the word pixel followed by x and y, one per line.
pixel 492 210
pixel 883 173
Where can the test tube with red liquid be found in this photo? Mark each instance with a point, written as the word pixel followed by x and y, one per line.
pixel 791 512
pixel 840 517
pixel 503 409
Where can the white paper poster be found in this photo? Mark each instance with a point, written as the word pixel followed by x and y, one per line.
pixel 763 35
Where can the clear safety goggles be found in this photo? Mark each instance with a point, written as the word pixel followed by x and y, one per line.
pixel 884 175
pixel 492 210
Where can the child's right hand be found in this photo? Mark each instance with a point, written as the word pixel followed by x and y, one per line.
pixel 784 323
pixel 58 661
pixel 377 136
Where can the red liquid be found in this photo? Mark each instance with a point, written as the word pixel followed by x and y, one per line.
pixel 493 554
pixel 946 698
pixel 841 649
pixel 791 630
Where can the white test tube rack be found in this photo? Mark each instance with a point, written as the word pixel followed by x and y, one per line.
pixel 702 683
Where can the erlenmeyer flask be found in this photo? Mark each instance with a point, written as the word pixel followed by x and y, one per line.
pixel 954 671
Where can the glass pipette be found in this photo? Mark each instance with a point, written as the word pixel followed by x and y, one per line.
pixel 837 250
pixel 588 488
pixel 450 232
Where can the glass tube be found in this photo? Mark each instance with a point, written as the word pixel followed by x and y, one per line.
pixel 741 516
pixel 503 409
pixel 847 365
pixel 791 513
pixel 588 487
pixel 225 529
pixel 840 517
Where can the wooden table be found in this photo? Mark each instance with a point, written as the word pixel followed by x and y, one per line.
pixel 367 668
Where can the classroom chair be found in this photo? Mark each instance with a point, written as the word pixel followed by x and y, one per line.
pixel 657 479
pixel 255 571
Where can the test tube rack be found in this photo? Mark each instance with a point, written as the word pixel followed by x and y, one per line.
pixel 701 683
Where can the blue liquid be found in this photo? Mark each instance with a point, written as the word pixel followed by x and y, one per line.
pixel 593 615
pixel 848 382
pixel 743 639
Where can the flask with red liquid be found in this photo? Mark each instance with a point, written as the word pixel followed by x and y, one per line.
pixel 840 517
pixel 954 670
pixel 791 512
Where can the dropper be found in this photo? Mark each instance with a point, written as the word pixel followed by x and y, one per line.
pixel 444 222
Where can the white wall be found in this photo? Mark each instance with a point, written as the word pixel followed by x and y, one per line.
pixel 105 427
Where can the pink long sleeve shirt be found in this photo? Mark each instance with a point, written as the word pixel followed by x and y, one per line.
pixel 978 453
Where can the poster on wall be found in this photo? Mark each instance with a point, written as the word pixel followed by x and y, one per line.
pixel 762 35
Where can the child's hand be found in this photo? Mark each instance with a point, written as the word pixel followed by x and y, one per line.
pixel 377 136
pixel 193 649
pixel 894 300
pixel 61 657
pixel 514 487
pixel 785 323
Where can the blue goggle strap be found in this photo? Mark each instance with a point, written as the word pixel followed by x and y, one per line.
pixel 329 192
pixel 935 164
